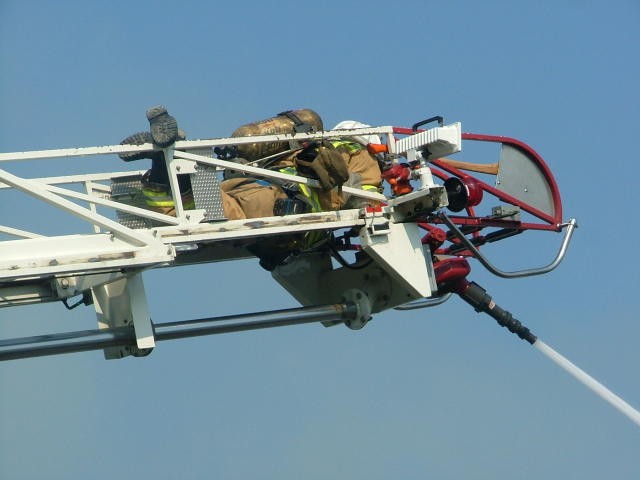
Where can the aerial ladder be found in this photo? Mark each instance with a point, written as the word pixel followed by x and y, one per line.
pixel 405 248
pixel 400 243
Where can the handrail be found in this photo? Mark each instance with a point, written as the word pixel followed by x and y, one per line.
pixel 571 225
pixel 425 303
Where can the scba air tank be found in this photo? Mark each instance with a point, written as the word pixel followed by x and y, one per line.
pixel 292 121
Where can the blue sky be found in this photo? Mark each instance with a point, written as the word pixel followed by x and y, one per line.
pixel 436 393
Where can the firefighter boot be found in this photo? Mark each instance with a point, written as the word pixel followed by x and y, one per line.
pixel 164 128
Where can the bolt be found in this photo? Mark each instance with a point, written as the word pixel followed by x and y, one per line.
pixel 64 283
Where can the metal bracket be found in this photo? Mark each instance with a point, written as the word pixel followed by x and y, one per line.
pixel 400 269
pixel 401 254
pixel 70 286
pixel 406 207
pixel 124 303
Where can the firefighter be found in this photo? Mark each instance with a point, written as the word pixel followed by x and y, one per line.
pixel 343 161
pixel 163 132
pixel 334 164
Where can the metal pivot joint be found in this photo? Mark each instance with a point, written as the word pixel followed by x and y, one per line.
pixel 360 301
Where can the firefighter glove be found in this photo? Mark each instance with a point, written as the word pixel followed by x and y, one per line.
pixel 323 163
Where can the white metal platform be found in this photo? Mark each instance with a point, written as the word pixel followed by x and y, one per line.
pixel 104 263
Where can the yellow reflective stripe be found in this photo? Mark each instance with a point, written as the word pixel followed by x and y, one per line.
pixel 187 204
pixel 153 203
pixel 155 198
pixel 312 196
pixel 370 188
pixel 313 237
pixel 351 147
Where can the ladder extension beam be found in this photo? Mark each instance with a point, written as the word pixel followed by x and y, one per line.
pixel 86 340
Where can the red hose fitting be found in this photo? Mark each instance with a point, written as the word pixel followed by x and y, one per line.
pixel 451 274
pixel 398 176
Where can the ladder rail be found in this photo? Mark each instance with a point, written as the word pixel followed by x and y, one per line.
pixel 42 192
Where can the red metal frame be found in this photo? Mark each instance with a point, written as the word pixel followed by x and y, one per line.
pixel 540 163
pixel 474 223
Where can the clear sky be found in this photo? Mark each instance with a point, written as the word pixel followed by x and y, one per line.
pixel 436 393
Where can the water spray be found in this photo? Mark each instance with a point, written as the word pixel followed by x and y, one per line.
pixel 451 277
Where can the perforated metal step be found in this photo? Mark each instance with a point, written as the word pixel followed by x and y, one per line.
pixel 206 193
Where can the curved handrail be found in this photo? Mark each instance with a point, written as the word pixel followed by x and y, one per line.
pixel 571 225
pixel 425 303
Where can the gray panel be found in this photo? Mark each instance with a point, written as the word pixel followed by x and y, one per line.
pixel 206 192
pixel 520 177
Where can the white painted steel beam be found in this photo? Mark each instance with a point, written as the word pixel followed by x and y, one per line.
pixel 81 178
pixel 142 212
pixel 189 144
pixel 39 191
pixel 258 227
pixel 67 254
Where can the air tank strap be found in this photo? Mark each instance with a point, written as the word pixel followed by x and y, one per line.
pixel 298 125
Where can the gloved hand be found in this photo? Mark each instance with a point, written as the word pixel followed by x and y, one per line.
pixel 138 139
pixel 323 163
pixel 145 137
pixel 228 173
